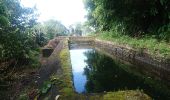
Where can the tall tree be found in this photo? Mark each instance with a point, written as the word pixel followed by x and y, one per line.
pixel 134 17
pixel 54 28
pixel 16 39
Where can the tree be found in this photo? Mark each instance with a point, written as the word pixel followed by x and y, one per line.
pixel 48 30
pixel 40 34
pixel 76 29
pixel 86 29
pixel 16 38
pixel 132 17
pixel 54 28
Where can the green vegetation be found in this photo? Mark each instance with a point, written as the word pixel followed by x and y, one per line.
pixel 143 25
pixel 126 95
pixel 21 36
pixel 16 40
pixel 146 44
pixel 80 29
pixel 66 87
pixel 76 29
pixel 133 17
pixel 46 86
pixel 50 29
pixel 18 46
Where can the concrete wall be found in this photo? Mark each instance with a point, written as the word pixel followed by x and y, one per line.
pixel 156 65
pixel 125 52
pixel 130 54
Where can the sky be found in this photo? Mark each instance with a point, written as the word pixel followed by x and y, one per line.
pixel 66 11
pixel 78 64
pixel 77 60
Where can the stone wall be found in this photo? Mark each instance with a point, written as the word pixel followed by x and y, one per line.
pixel 125 53
pixel 158 66
pixel 132 55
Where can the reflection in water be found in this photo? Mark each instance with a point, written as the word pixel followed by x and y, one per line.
pixel 96 72
pixel 104 74
pixel 78 64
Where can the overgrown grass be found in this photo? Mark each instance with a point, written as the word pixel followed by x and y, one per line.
pixel 126 95
pixel 147 44
pixel 34 59
pixel 67 88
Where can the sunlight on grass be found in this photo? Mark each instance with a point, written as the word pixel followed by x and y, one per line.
pixel 149 44
pixel 126 95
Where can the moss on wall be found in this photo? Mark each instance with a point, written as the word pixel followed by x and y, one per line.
pixel 66 90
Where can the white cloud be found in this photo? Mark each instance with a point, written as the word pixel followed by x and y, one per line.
pixel 66 11
pixel 77 60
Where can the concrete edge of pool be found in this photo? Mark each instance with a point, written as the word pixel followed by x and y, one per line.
pixel 66 88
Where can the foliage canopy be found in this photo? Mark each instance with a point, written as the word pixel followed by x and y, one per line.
pixel 16 38
pixel 133 17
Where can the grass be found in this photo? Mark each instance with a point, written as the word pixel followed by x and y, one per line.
pixel 147 44
pixel 126 95
pixel 66 89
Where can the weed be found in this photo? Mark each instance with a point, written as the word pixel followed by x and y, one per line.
pixel 149 44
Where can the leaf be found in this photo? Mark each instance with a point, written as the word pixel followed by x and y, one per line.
pixel 4 21
pixel 49 85
pixel 162 2
pixel 44 90
pixel 46 87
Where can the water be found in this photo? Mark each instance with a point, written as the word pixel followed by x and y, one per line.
pixel 94 72
pixel 78 64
